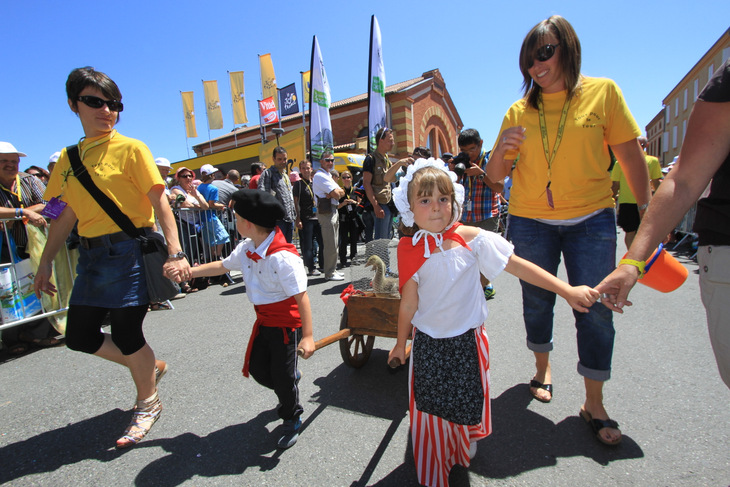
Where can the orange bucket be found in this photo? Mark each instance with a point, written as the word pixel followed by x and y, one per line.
pixel 663 272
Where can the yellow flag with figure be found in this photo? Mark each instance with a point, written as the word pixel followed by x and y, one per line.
pixel 268 78
pixel 189 114
pixel 306 82
pixel 237 97
pixel 213 104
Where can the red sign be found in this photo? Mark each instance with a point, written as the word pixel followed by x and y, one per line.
pixel 268 111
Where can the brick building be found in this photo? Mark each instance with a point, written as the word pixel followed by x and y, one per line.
pixel 420 111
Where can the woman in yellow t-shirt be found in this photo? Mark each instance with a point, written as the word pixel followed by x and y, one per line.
pixel 561 200
pixel 111 276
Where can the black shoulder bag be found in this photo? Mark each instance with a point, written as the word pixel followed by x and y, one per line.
pixel 154 249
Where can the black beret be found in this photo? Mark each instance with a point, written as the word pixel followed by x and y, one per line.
pixel 257 206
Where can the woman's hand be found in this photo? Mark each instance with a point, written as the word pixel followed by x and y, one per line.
pixel 177 270
pixel 35 219
pixel 510 141
pixel 42 281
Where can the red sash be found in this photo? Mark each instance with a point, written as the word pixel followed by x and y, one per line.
pixel 282 314
pixel 410 257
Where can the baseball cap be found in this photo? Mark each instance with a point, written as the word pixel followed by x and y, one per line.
pixel 162 162
pixel 207 169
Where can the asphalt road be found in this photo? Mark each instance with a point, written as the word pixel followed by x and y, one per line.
pixel 61 411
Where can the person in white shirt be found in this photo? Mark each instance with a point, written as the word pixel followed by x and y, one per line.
pixel 328 194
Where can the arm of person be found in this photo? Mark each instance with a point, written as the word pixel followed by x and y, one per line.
pixel 178 269
pixel 34 218
pixel 336 193
pixel 481 172
pixel 408 307
pixel 633 164
pixel 203 204
pixel 389 176
pixel 499 167
pixel 298 221
pixel 655 184
pixel 580 298
pixel 367 184
pixel 57 233
pixel 214 205
pixel 704 149
pixel 615 185
pixel 305 312
pixel 210 269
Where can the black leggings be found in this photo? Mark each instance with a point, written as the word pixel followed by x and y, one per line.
pixel 83 328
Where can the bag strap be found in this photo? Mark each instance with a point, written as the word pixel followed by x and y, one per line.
pixel 103 200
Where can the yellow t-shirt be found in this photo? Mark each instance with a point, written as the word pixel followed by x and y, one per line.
pixel 580 183
pixel 123 169
pixel 624 192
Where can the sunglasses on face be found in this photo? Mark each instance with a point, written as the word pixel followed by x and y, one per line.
pixel 330 160
pixel 187 176
pixel 346 177
pixel 96 102
pixel 546 52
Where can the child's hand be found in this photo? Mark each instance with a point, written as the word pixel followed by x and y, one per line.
pixel 580 298
pixel 306 347
pixel 397 356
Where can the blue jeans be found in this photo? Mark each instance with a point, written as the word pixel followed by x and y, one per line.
pixel 287 228
pixel 383 225
pixel 310 231
pixel 589 249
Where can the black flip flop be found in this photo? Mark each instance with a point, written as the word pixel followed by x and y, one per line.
pixel 540 385
pixel 598 424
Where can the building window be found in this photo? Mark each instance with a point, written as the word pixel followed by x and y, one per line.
pixel 674 137
pixel 666 110
pixel 697 88
pixel 710 71
pixel 686 94
pixel 676 107
pixel 684 129
pixel 665 142
pixel 725 54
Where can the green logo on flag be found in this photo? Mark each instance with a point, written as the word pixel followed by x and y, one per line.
pixel 378 86
pixel 320 98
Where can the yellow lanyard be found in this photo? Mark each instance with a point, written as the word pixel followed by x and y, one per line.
pixel 545 143
pixel 96 143
pixel 19 194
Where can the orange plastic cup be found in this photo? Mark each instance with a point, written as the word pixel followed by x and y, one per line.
pixel 663 272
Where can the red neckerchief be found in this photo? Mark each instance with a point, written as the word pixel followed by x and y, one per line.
pixel 283 314
pixel 411 257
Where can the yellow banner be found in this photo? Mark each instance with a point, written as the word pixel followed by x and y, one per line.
pixel 237 97
pixel 306 81
pixel 292 141
pixel 189 114
pixel 213 105
pixel 268 79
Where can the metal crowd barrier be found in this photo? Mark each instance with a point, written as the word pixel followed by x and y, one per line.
pixel 17 298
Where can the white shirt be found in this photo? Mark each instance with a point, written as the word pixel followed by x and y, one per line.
pixel 323 184
pixel 273 278
pixel 450 296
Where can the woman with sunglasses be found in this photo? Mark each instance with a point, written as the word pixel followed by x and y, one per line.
pixel 561 201
pixel 189 198
pixel 111 275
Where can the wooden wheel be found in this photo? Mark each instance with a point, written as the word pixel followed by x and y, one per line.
pixel 355 349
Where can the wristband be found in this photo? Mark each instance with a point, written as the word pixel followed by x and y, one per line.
pixel 179 255
pixel 643 207
pixel 639 264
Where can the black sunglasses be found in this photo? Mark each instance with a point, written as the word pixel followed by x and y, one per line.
pixel 186 176
pixel 546 52
pixel 96 102
pixel 330 160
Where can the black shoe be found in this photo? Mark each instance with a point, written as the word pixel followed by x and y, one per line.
pixel 291 433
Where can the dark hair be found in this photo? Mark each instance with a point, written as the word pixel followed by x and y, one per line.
pixel 381 134
pixel 325 154
pixel 303 161
pixel 568 53
pixel 82 78
pixel 469 136
pixel 278 150
pixel 422 152
pixel 256 168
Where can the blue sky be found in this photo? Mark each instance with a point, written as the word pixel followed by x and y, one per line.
pixel 155 49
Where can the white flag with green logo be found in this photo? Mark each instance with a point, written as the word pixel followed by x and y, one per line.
pixel 376 84
pixel 320 126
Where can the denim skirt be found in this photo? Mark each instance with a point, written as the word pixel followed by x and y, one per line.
pixel 110 276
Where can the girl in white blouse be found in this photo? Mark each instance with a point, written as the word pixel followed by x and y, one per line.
pixel 443 308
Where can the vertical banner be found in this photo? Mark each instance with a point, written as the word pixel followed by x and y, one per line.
pixel 376 85
pixel 189 114
pixel 268 78
pixel 320 126
pixel 238 99
pixel 288 103
pixel 306 84
pixel 213 105
pixel 268 111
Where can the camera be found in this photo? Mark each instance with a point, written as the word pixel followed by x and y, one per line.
pixel 461 163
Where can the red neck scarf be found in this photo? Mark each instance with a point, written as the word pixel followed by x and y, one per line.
pixel 278 244
pixel 413 251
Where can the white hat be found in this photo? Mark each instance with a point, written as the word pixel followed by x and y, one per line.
pixel 162 162
pixel 54 157
pixel 207 169
pixel 8 148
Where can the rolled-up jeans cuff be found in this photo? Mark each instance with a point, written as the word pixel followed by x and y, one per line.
pixel 593 374
pixel 540 347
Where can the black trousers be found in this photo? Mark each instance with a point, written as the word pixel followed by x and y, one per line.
pixel 273 364
pixel 349 235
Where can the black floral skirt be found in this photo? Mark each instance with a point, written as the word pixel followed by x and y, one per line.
pixel 446 377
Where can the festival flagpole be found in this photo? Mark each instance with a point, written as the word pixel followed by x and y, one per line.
pixel 185 126
pixel 304 117
pixel 207 122
pixel 233 110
